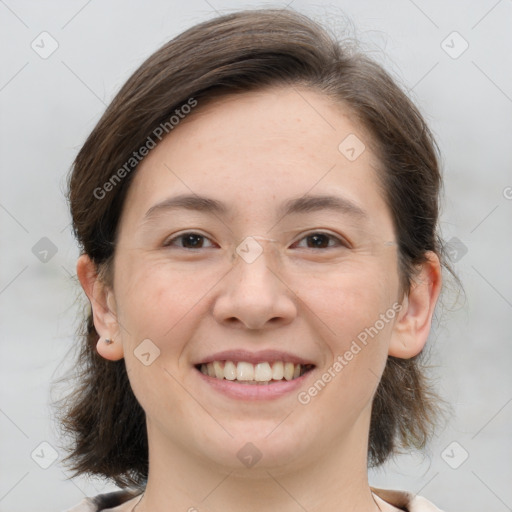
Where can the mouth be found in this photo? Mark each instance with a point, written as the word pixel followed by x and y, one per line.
pixel 263 373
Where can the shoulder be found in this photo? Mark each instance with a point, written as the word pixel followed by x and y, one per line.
pixel 103 502
pixel 406 501
pixel 401 499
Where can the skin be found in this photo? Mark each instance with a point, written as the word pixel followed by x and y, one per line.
pixel 253 151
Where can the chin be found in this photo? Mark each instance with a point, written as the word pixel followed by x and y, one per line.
pixel 258 446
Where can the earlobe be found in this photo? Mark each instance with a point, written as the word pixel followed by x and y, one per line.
pixel 103 309
pixel 412 327
pixel 110 349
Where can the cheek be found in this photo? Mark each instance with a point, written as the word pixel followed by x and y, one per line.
pixel 357 308
pixel 156 305
pixel 347 303
pixel 155 295
pixel 346 385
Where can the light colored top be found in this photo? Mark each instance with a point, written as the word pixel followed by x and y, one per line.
pixel 402 500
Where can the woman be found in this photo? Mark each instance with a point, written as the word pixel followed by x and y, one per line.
pixel 257 212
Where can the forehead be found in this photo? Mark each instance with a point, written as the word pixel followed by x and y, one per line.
pixel 278 119
pixel 256 147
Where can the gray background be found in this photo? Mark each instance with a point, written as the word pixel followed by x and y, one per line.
pixel 49 105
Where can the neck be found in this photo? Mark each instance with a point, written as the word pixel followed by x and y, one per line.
pixel 335 481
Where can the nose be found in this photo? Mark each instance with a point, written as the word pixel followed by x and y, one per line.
pixel 253 294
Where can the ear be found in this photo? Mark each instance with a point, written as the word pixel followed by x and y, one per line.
pixel 412 327
pixel 103 309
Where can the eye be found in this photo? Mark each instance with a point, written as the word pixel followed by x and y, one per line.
pixel 320 240
pixel 193 240
pixel 190 240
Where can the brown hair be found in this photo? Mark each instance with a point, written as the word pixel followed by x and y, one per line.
pixel 244 51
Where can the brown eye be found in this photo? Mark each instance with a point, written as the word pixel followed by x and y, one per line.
pixel 188 241
pixel 322 241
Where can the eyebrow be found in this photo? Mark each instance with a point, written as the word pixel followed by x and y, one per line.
pixel 304 204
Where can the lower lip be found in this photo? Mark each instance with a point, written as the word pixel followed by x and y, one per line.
pixel 235 389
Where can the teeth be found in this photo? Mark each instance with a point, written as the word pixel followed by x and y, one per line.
pixel 219 371
pixel 278 370
pixel 288 371
pixel 244 371
pixel 230 370
pixel 261 373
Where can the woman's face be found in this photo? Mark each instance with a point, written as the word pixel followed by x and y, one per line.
pixel 317 284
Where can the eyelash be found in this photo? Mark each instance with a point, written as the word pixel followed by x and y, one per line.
pixel 341 242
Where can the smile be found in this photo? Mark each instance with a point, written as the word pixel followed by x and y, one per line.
pixel 260 373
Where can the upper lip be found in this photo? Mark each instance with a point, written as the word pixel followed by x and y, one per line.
pixel 269 356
